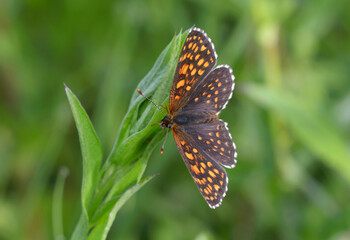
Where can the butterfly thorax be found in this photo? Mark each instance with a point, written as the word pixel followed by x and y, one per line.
pixel 167 122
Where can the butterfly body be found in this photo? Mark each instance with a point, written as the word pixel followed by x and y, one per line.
pixel 199 92
pixel 186 118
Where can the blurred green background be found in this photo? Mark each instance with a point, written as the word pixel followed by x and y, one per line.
pixel 289 115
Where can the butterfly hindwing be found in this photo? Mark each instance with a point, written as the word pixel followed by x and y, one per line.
pixel 214 139
pixel 210 178
pixel 196 60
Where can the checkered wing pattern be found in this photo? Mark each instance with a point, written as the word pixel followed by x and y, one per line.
pixel 215 140
pixel 212 94
pixel 210 178
pixel 196 60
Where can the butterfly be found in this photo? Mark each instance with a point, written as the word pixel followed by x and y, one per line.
pixel 198 94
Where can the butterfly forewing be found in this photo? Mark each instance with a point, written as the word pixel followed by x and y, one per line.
pixel 196 60
pixel 212 94
pixel 209 176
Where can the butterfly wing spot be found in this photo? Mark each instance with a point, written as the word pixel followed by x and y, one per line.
pixel 216 92
pixel 195 169
pixel 203 165
pixel 209 164
pixel 182 143
pixel 177 97
pixel 210 180
pixel 200 72
pixel 200 62
pixel 200 138
pixel 212 174
pixel 188 88
pixel 194 150
pixel 193 72
pixel 217 187
pixel 196 99
pixel 208 189
pixel 197 56
pixel 202 170
pixel 219 84
pixel 206 64
pixel 203 48
pixel 208 101
pixel 189 155
pixel 180 84
pixel 184 68
pixel 194 46
pixel 219 142
pixel 218 135
pixel 222 149
pixel 216 171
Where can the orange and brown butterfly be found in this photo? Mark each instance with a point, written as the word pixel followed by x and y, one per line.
pixel 198 93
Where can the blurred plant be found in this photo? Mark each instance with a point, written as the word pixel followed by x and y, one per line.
pixel 106 188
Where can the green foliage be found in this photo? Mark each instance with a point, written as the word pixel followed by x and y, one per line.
pixel 311 127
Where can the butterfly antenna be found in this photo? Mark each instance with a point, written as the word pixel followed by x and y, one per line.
pixel 161 150
pixel 139 91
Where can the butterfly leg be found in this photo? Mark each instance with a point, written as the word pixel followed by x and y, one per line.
pixel 166 108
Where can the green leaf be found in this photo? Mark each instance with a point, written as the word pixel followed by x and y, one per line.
pixel 57 222
pixel 81 229
pixel 90 148
pixel 101 230
pixel 310 126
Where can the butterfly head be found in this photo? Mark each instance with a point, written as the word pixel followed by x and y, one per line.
pixel 166 122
